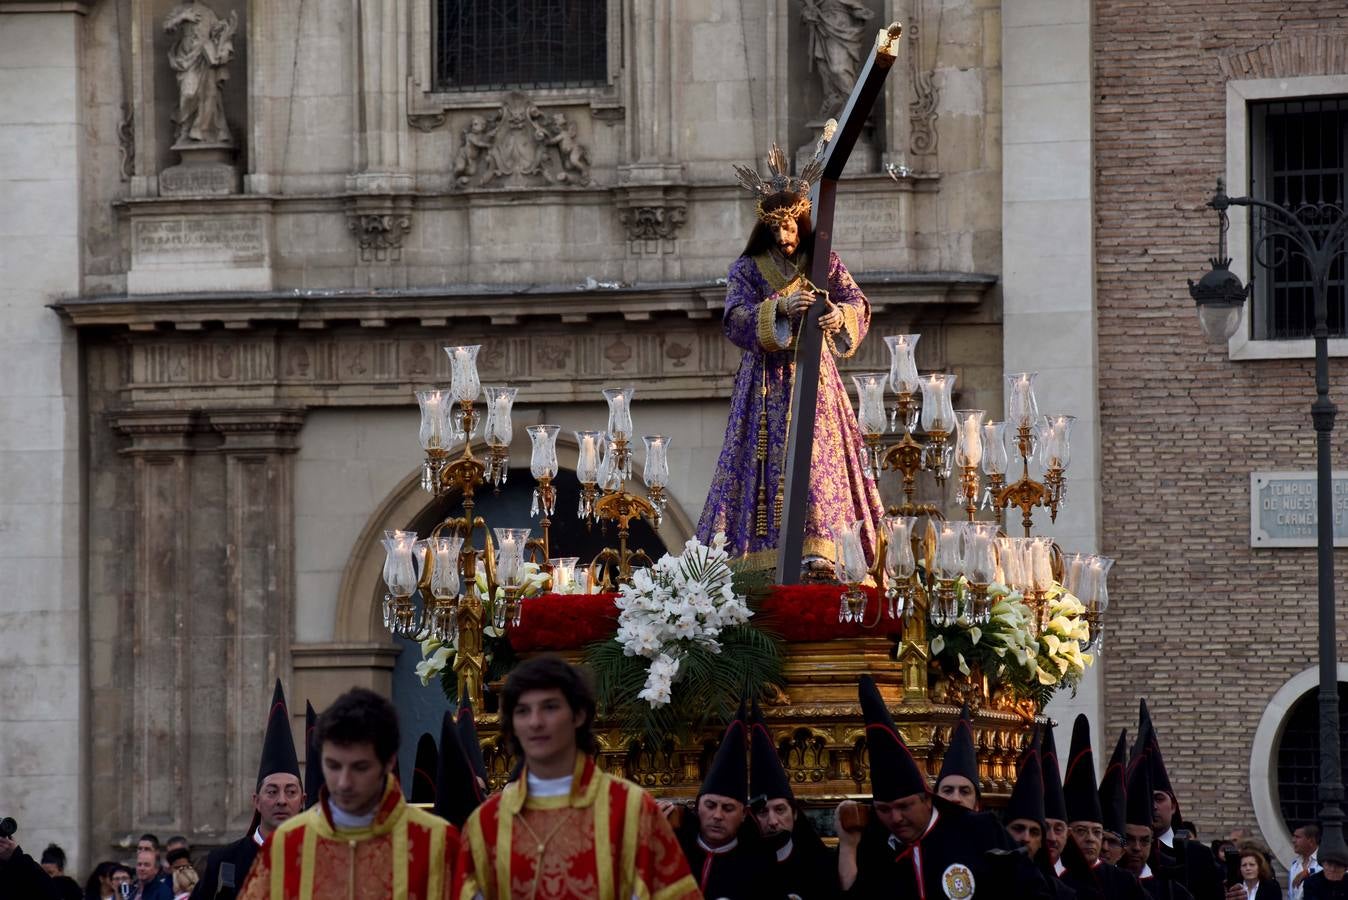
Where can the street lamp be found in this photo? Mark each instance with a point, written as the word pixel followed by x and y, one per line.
pixel 1317 233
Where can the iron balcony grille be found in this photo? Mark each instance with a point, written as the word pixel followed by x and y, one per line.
pixel 502 44
pixel 1299 157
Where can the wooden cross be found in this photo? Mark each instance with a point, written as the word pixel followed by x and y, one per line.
pixel 800 434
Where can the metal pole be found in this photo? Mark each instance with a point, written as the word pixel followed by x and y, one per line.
pixel 1322 415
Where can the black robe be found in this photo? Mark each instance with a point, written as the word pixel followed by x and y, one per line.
pixel 1109 882
pixel 21 877
pixel 241 853
pixel 1162 887
pixel 736 874
pixel 1200 873
pixel 971 842
pixel 811 871
pixel 1318 887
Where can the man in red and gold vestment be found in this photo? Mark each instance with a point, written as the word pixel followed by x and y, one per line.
pixel 361 840
pixel 564 829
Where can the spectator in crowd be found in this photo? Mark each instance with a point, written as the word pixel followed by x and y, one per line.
pixel 1306 845
pixel 99 885
pixel 54 864
pixel 151 882
pixel 122 875
pixel 185 877
pixel 1328 883
pixel 1256 877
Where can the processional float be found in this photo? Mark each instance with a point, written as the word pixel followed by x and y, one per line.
pixel 913 616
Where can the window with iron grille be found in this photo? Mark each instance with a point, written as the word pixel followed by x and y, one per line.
pixel 501 44
pixel 1299 153
pixel 1299 758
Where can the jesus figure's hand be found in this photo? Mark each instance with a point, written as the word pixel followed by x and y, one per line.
pixel 832 319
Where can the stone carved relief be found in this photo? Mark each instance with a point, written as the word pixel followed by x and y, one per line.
pixel 202 49
pixel 380 235
pixel 126 141
pixel 838 37
pixel 521 146
pixel 926 97
pixel 653 223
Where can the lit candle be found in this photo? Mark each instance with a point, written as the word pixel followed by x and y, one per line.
pixel 972 441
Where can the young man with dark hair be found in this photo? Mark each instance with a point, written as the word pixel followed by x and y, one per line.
pixel 563 822
pixel 361 834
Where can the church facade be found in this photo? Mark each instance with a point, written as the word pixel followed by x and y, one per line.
pixel 237 235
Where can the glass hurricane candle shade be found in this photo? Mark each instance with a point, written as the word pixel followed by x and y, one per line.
pixel 543 450
pixel 588 448
pixel 445 567
pixel 938 411
pixel 969 437
pixel 655 473
pixel 436 431
pixel 994 448
pixel 564 574
pixel 851 570
pixel 1056 434
pixel 619 412
pixel 499 430
pixel 949 551
pixel 400 569
pixel 510 544
pixel 903 377
pixel 900 565
pixel 464 384
pixel 871 403
pixel 1022 410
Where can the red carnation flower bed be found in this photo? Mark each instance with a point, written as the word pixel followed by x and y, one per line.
pixel 794 612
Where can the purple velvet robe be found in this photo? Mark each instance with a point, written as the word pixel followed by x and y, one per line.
pixel 840 492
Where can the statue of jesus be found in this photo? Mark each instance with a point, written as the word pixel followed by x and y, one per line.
pixel 767 296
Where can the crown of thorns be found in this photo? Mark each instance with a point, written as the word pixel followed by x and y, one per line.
pixel 780 180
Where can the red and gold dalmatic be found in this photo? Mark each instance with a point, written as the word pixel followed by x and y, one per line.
pixel 405 854
pixel 605 840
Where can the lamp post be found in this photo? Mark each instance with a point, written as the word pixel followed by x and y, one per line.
pixel 1317 233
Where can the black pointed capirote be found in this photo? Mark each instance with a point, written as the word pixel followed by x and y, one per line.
pixel 960 756
pixel 423 770
pixel 467 727
pixel 728 774
pixel 457 790
pixel 1139 806
pixel 1055 807
pixel 894 771
pixel 313 757
pixel 767 778
pixel 278 743
pixel 1079 787
pixel 1027 796
pixel 1113 787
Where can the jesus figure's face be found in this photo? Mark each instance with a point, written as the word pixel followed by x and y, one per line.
pixel 787 236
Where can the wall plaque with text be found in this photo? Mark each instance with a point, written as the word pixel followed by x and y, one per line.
pixel 1282 509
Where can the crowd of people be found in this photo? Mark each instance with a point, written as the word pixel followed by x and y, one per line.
pixel 563 828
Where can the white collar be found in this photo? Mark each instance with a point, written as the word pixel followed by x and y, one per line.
pixel 549 787
pixel 785 851
pixel 1168 837
pixel 896 844
pixel 344 821
pixel 1146 872
pixel 724 848
pixel 257 836
pixel 1058 866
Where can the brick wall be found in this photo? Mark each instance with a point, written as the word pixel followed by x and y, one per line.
pixel 1202 626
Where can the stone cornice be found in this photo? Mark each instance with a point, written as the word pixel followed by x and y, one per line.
pixel 46 6
pixel 497 305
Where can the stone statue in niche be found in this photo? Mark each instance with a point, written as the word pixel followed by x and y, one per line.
pixel 519 146
pixel 837 38
pixel 203 47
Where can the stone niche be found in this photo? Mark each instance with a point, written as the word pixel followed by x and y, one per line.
pixel 211 168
